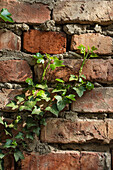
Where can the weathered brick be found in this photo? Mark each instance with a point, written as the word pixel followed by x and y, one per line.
pixel 95 161
pixel 9 40
pixel 14 71
pixel 98 70
pixel 26 12
pixel 110 129
pixel 93 39
pixel 6 96
pixel 66 160
pixel 9 162
pixel 44 42
pixel 83 12
pixel 79 131
pixel 96 101
pixel 55 160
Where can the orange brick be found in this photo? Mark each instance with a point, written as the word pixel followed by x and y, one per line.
pixel 44 42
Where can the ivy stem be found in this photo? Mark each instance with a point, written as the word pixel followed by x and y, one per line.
pixel 84 60
pixel 45 70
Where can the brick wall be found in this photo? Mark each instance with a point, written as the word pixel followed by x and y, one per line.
pixel 81 138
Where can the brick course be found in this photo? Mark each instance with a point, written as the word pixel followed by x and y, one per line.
pixel 14 71
pixel 23 12
pixel 9 40
pixel 44 42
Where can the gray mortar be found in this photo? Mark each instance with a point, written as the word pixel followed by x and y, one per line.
pixel 42 148
pixel 17 55
pixel 94 116
pixel 69 115
pixel 48 26
pixel 16 28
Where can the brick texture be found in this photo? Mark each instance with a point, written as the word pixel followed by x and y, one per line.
pixel 9 40
pixel 79 131
pixel 14 71
pixel 83 12
pixel 26 12
pixel 44 42
pixel 98 70
pixel 96 101
pixel 69 160
pixel 6 96
pixel 93 39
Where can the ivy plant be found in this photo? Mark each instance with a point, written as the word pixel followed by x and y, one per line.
pixel 38 99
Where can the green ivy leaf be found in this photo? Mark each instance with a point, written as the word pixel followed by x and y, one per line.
pixel 20 98
pixel 79 90
pixel 42 86
pixel 21 108
pixel 1 164
pixel 52 66
pixel 5 15
pixel 58 63
pixel 61 102
pixel 37 131
pixel 43 122
pixel 73 77
pixel 89 85
pixel 37 111
pixel 7 133
pixel 13 105
pixel 1 121
pixel 29 81
pixel 2 155
pixel 82 49
pixel 60 80
pixel 29 136
pixel 30 122
pixel 8 143
pixel 18 155
pixel 83 76
pixel 53 109
pixel 71 97
pixel 19 136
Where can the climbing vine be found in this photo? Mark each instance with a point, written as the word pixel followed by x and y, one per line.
pixel 38 99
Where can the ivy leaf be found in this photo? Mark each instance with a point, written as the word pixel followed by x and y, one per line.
pixel 82 49
pixel 29 81
pixel 93 55
pixel 1 121
pixel 5 15
pixel 58 63
pixel 7 133
pixel 71 97
pixel 93 48
pixel 89 85
pixel 52 66
pixel 1 164
pixel 30 123
pixel 73 77
pixel 2 155
pixel 61 102
pixel 37 131
pixel 60 80
pixel 53 109
pixel 18 155
pixel 20 98
pixel 79 90
pixel 42 86
pixel 21 108
pixel 13 105
pixel 37 111
pixel 19 136
pixel 83 76
pixel 43 122
pixel 29 136
pixel 44 95
pixel 8 143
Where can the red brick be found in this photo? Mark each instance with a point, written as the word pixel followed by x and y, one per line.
pixel 79 131
pixel 94 161
pixel 14 71
pixel 83 12
pixel 6 96
pixel 96 101
pixel 9 162
pixel 66 160
pixel 26 12
pixel 44 42
pixel 110 129
pixel 55 160
pixel 93 39
pixel 9 40
pixel 98 70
